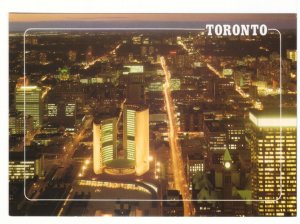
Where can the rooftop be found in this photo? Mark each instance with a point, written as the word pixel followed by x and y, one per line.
pixel 273 118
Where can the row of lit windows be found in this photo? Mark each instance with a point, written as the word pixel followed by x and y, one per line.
pixel 107 138
pixel 21 162
pixel 107 153
pixel 130 149
pixel 107 127
pixel 69 110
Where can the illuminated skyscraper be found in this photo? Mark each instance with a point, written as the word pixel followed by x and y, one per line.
pixel 31 95
pixel 104 143
pixel 136 136
pixel 29 168
pixel 273 154
pixel 61 113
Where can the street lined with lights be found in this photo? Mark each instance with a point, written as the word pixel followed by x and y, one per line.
pixel 180 180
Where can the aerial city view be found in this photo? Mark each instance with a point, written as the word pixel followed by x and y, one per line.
pixel 151 122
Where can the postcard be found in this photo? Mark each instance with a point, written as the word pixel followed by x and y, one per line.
pixel 152 114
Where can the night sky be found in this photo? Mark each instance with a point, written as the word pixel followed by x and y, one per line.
pixel 20 22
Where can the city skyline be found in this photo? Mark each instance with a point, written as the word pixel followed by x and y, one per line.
pixel 153 123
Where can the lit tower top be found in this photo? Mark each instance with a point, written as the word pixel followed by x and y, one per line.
pixel 272 118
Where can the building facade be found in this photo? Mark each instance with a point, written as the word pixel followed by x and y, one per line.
pixel 30 167
pixel 30 97
pixel 104 143
pixel 16 123
pixel 136 136
pixel 272 141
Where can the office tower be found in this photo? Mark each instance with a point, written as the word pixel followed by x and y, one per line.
pixel 52 110
pixel 104 143
pixel 191 119
pixel 31 95
pixel 215 135
pixel 16 123
pixel 195 164
pixel 61 113
pixel 219 87
pixel 69 116
pixel 235 129
pixel 136 136
pixel 32 166
pixel 273 154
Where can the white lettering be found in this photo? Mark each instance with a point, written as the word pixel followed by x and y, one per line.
pixel 254 28
pixel 209 28
pixel 226 30
pixel 236 29
pixel 245 30
pixel 263 30
pixel 218 30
